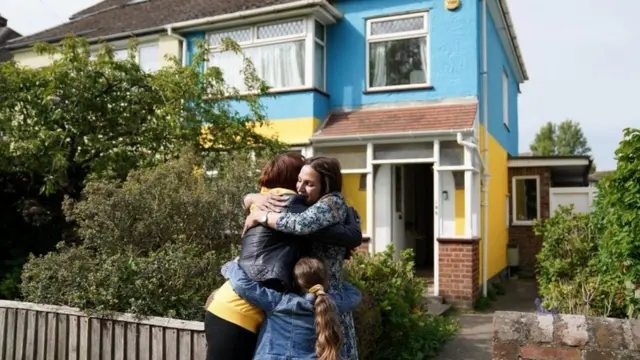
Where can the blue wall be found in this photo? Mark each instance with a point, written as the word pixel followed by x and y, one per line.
pixel 496 62
pixel 452 47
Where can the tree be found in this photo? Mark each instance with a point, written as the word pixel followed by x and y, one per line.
pixel 100 116
pixel 562 139
pixel 91 116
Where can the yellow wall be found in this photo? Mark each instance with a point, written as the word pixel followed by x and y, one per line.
pixel 355 197
pixel 290 131
pixel 459 211
pixel 166 45
pixel 498 191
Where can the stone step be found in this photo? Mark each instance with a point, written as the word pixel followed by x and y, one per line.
pixel 436 309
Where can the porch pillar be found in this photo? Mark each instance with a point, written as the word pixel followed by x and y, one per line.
pixel 468 194
pixel 459 270
pixel 370 200
pixel 436 217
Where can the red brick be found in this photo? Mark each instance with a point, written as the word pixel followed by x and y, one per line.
pixel 549 353
pixel 504 351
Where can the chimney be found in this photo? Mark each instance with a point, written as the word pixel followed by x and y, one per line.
pixel 3 21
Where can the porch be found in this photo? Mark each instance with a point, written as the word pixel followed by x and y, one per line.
pixel 414 189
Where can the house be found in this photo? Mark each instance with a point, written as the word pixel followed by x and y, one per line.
pixel 416 98
pixel 6 34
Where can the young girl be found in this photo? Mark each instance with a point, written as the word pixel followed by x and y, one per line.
pixel 298 325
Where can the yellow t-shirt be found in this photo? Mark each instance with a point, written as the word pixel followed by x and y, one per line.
pixel 226 304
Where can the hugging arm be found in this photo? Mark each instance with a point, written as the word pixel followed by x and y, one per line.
pixel 248 289
pixel 347 234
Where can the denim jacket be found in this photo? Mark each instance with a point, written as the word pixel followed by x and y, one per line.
pixel 288 332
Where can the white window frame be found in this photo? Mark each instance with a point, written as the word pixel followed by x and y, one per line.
pixel 308 36
pixel 514 199
pixel 120 46
pixel 397 36
pixel 505 97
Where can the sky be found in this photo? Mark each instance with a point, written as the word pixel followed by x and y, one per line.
pixel 581 57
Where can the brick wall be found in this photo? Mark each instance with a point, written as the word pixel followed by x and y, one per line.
pixel 522 235
pixel 571 337
pixel 459 270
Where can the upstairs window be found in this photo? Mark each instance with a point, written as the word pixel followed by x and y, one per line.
pixel 148 56
pixel 397 52
pixel 287 54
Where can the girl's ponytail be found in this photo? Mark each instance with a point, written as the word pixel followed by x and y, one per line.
pixel 311 275
pixel 328 329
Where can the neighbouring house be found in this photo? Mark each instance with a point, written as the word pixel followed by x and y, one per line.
pixel 6 34
pixel 597 176
pixel 537 186
pixel 418 99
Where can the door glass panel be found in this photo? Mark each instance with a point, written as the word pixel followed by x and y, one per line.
pixel 350 157
pixel 423 150
pixel 451 154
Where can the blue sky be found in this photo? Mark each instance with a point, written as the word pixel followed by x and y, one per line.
pixel 581 56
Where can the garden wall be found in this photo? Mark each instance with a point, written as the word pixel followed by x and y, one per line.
pixel 34 331
pixel 571 337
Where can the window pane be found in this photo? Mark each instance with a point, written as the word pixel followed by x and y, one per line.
pixel 295 27
pixel 350 157
pixel 319 31
pixel 403 151
pixel 398 62
pixel 397 25
pixel 239 36
pixel 451 154
pixel 318 72
pixel 526 198
pixel 280 65
pixel 121 54
pixel 231 65
pixel 149 58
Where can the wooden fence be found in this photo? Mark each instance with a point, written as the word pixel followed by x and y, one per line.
pixel 45 332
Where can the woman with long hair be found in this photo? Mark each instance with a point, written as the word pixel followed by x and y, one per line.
pixel 320 183
pixel 268 257
pixel 302 324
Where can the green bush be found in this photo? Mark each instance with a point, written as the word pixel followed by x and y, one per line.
pixel 618 213
pixel 153 245
pixel 569 271
pixel 397 325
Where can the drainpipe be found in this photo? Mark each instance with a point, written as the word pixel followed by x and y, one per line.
pixel 485 186
pixel 184 44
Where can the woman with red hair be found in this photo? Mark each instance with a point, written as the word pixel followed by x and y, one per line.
pixel 268 256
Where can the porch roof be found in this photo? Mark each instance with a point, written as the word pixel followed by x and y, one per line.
pixel 425 119
pixel 564 170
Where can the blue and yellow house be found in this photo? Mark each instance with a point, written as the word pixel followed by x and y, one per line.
pixel 418 99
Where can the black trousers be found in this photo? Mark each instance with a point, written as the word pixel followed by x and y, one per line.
pixel 226 340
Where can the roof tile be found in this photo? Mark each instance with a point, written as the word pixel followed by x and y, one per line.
pixel 399 120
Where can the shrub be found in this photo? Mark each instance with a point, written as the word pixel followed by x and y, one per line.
pixel 403 329
pixel 618 211
pixel 569 271
pixel 153 245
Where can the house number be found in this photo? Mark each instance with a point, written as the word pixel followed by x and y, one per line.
pixel 451 4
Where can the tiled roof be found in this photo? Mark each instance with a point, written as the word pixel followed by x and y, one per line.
pixel 399 120
pixel 111 17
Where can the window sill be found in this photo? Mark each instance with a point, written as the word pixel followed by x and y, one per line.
pixel 297 90
pixel 397 89
pixel 522 223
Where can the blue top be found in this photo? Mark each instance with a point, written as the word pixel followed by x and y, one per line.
pixel 288 331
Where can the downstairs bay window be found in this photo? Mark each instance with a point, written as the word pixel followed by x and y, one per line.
pixel 288 55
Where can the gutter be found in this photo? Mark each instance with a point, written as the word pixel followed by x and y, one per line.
pixel 191 23
pixel 514 38
pixel 260 11
pixel 184 44
pixel 366 137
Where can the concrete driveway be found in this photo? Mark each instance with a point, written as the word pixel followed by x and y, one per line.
pixel 474 340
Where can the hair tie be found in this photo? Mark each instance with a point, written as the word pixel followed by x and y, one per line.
pixel 317 290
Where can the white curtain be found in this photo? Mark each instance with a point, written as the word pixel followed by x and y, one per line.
pixel 281 65
pixel 149 58
pixel 378 53
pixel 231 65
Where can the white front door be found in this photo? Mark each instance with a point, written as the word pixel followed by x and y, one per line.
pixel 398 228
